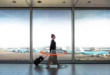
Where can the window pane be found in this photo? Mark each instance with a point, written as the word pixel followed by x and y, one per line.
pixel 14 34
pixel 47 22
pixel 92 37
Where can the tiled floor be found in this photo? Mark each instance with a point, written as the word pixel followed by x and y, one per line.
pixel 66 69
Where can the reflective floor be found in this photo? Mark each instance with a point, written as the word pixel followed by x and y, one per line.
pixel 66 69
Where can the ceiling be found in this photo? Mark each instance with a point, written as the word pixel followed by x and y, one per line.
pixel 55 3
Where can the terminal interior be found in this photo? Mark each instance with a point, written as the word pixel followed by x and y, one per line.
pixel 82 35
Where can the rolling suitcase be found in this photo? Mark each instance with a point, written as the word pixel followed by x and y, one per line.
pixel 38 60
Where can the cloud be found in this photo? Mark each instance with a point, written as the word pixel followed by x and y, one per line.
pixel 92 32
pixel 81 14
pixel 6 14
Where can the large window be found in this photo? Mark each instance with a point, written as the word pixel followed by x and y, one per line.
pixel 92 29
pixel 14 34
pixel 47 22
pixel 92 39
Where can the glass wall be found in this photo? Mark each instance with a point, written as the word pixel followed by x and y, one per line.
pixel 47 22
pixel 92 39
pixel 14 34
pixel 92 29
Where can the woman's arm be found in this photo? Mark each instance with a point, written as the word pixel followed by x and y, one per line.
pixel 52 45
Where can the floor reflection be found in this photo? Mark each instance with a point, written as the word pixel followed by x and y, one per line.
pixel 52 70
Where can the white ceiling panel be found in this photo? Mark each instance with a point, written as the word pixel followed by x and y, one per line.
pixel 84 3
pixel 55 3
pixel 102 3
pixel 52 3
pixel 9 3
pixel 94 3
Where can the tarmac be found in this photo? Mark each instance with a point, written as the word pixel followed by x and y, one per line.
pixel 26 56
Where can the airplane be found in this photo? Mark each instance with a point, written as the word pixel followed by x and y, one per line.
pixel 38 51
pixel 97 53
pixel 11 49
pixel 70 51
pixel 25 50
pixel 18 50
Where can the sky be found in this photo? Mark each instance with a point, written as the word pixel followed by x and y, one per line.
pixel 92 28
pixel 14 27
pixel 47 22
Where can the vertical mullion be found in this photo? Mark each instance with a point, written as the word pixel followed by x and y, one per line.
pixel 31 32
pixel 73 32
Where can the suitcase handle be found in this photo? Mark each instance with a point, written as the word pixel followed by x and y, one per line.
pixel 45 56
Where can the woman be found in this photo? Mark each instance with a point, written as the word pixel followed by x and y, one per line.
pixel 53 58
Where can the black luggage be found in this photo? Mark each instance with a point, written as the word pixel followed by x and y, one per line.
pixel 38 60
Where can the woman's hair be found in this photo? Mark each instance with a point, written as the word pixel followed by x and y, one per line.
pixel 52 35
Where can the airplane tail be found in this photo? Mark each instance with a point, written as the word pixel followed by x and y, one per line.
pixel 35 48
pixel 82 50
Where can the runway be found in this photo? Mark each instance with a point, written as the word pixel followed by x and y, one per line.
pixel 26 56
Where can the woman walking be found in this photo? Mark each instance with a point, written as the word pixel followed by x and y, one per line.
pixel 53 58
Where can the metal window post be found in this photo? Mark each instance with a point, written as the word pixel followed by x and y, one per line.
pixel 73 36
pixel 31 32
